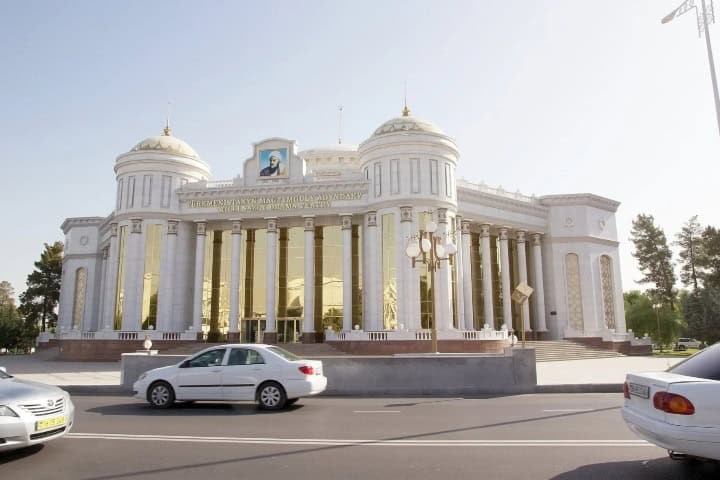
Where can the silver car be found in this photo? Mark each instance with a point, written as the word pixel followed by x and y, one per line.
pixel 31 412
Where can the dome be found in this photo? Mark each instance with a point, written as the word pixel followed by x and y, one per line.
pixel 165 143
pixel 406 123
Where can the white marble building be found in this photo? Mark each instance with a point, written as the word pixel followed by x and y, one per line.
pixel 305 240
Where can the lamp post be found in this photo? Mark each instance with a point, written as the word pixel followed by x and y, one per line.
pixel 430 248
pixel 657 307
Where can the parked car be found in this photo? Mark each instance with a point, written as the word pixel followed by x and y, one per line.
pixel 31 412
pixel 267 374
pixel 685 343
pixel 678 409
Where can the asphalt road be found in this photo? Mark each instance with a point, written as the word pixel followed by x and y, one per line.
pixel 547 436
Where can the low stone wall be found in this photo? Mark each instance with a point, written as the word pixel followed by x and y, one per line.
pixel 109 350
pixel 390 347
pixel 511 372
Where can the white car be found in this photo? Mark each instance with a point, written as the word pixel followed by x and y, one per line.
pixel 678 409
pixel 264 373
pixel 685 343
pixel 31 412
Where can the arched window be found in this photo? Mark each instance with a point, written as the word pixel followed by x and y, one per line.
pixel 608 290
pixel 79 301
pixel 574 293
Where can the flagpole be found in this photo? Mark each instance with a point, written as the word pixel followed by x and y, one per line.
pixel 712 65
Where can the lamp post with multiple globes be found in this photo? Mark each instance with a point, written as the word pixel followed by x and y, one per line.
pixel 431 248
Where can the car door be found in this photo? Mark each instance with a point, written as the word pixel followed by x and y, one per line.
pixel 245 369
pixel 200 377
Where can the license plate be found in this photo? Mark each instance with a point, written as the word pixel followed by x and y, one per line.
pixel 642 391
pixel 49 423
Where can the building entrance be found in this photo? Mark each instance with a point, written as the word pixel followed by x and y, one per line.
pixel 252 329
pixel 289 330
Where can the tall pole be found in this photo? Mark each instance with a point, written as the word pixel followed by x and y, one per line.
pixel 712 64
pixel 433 332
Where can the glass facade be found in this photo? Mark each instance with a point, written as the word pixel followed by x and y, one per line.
pixel 328 278
pixel 357 284
pixel 120 294
pixel 389 271
pixel 291 283
pixel 477 273
pixel 496 282
pixel 426 299
pixel 151 276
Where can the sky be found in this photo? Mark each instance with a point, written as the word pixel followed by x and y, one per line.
pixel 545 97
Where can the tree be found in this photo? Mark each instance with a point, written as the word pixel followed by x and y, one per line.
pixel 7 294
pixel 690 242
pixel 39 301
pixel 663 324
pixel 710 260
pixel 702 314
pixel 654 258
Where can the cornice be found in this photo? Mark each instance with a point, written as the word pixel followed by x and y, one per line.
pixel 189 193
pixel 580 199
pixel 80 222
pixel 501 202
pixel 578 239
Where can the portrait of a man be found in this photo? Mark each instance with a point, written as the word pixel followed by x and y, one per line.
pixel 273 163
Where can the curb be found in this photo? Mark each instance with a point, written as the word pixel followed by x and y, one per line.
pixel 119 390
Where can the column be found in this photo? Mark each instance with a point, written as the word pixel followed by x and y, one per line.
pixel 373 319
pixel 443 292
pixel 347 272
pixel 167 280
pixel 487 275
pixel 270 334
pixel 108 316
pixel 134 269
pixel 505 277
pixel 522 271
pixel 103 280
pixel 233 317
pixel 539 293
pixel 406 307
pixel 467 276
pixel 199 277
pixel 309 287
pixel 459 268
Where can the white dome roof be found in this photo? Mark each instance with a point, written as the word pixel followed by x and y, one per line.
pixel 165 143
pixel 406 123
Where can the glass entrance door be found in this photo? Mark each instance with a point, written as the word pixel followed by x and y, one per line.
pixel 252 329
pixel 289 330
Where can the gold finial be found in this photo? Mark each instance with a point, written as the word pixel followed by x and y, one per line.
pixel 405 110
pixel 166 130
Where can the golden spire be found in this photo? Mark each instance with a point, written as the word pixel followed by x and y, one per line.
pixel 405 110
pixel 166 130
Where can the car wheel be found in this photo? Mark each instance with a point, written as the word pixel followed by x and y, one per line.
pixel 271 396
pixel 682 348
pixel 161 395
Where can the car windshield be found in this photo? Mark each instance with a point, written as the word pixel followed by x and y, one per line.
pixel 704 364
pixel 284 353
pixel 4 374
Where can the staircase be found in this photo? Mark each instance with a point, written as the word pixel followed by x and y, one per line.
pixel 299 349
pixel 556 350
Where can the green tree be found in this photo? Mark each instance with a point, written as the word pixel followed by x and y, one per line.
pixel 41 297
pixel 654 258
pixel 702 314
pixel 710 259
pixel 690 241
pixel 14 332
pixel 662 324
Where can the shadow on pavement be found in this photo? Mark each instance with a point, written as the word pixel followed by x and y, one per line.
pixel 187 409
pixel 655 469
pixel 12 455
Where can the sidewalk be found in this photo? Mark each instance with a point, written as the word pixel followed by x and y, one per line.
pixel 595 375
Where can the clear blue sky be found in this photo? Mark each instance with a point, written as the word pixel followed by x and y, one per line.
pixel 545 97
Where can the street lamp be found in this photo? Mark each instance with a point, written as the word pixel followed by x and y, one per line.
pixel 657 307
pixel 430 248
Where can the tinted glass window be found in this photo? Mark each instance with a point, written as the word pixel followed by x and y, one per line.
pixel 208 359
pixel 238 356
pixel 704 364
pixel 284 353
pixel 254 357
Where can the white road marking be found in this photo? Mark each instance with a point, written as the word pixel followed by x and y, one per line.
pixel 570 410
pixel 372 442
pixel 376 411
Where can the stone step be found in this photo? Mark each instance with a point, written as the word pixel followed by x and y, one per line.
pixel 556 350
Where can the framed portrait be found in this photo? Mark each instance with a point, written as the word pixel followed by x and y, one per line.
pixel 273 163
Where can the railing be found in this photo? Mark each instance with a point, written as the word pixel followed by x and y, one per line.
pixel 497 191
pixel 88 335
pixel 127 335
pixel 405 335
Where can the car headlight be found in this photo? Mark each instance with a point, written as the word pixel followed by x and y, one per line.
pixel 6 411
